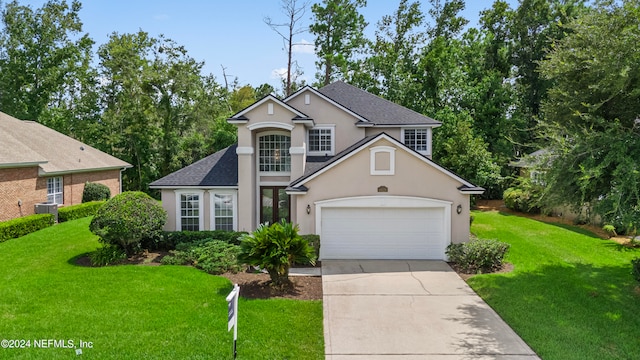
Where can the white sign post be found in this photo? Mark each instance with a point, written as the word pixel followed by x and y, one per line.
pixel 232 315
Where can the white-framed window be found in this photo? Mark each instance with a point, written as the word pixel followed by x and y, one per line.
pixel 418 139
pixel 223 210
pixel 55 188
pixel 189 214
pixel 321 140
pixel 273 153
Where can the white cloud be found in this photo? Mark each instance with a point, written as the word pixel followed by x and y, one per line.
pixel 280 73
pixel 161 17
pixel 303 47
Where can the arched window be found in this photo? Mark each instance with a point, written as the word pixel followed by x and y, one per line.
pixel 274 153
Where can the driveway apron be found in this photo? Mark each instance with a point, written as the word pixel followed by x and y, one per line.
pixel 410 309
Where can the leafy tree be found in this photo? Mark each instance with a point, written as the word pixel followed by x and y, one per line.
pixel 338 28
pixel 128 219
pixel 388 70
pixel 45 70
pixel 457 147
pixel 274 248
pixel 159 111
pixel 592 114
pixel 535 26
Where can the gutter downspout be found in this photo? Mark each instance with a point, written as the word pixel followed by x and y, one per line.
pixel 120 180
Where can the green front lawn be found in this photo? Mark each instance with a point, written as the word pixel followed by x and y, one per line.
pixel 136 312
pixel 571 294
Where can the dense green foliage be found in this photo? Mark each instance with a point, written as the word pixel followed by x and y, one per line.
pixel 73 212
pixel 128 219
pixel 592 114
pixel 137 312
pixel 478 255
pixel 172 239
pixel 274 248
pixel 339 31
pixel 212 256
pixel 523 196
pixel 25 225
pixel 95 192
pixel 107 255
pixel 571 294
pixel 635 269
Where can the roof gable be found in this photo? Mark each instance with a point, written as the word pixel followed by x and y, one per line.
pixel 241 115
pixel 374 109
pixel 308 88
pixel 318 170
pixel 217 169
pixel 30 143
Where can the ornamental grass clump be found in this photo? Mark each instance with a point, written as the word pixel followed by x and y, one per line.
pixel 274 248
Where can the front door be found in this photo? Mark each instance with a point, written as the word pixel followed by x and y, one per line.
pixel 274 204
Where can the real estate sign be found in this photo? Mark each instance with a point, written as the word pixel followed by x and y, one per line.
pixel 232 315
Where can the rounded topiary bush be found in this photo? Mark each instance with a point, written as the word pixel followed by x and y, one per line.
pixel 95 192
pixel 128 219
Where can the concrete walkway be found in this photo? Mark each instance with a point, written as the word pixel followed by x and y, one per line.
pixel 388 309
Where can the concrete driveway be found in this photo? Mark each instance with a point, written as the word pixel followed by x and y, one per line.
pixel 397 309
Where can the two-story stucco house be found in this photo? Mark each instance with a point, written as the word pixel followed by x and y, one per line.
pixel 342 163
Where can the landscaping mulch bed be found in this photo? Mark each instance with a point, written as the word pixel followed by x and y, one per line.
pixel 253 285
pixel 258 286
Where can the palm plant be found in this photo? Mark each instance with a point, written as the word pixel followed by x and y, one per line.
pixel 274 248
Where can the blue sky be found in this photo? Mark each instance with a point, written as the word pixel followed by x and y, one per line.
pixel 228 33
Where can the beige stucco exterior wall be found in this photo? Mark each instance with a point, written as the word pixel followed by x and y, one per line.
pixel 412 177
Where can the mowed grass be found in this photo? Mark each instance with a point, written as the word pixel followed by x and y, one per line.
pixel 136 312
pixel 571 294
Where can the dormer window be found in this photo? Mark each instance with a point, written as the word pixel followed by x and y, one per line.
pixel 321 140
pixel 274 153
pixel 418 139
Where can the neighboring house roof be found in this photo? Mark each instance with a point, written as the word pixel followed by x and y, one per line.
pixel 532 160
pixel 318 169
pixel 28 143
pixel 374 109
pixel 218 169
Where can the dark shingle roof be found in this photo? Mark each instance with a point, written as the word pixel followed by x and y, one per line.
pixel 373 108
pixel 218 169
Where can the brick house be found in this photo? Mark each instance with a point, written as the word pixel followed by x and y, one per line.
pixel 38 164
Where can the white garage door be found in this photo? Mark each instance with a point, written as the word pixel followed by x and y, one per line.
pixel 382 233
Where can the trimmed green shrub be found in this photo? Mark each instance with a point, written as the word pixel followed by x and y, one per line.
pixel 25 225
pixel 212 256
pixel 635 269
pixel 95 192
pixel 79 211
pixel 521 200
pixel 314 242
pixel 478 255
pixel 107 255
pixel 274 248
pixel 129 219
pixel 171 239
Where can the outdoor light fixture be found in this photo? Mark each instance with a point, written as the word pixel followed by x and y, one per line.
pixel 308 209
pixel 459 209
